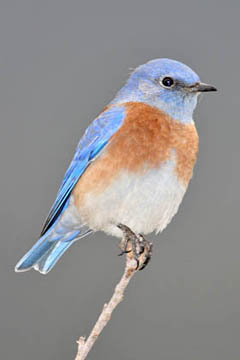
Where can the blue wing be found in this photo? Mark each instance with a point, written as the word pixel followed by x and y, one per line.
pixel 56 236
pixel 95 138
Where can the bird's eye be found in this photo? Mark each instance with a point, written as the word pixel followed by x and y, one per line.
pixel 167 82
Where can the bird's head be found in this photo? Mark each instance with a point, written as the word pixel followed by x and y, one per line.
pixel 167 84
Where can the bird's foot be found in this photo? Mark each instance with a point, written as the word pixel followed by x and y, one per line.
pixel 137 244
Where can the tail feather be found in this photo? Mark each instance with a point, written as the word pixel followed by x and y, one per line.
pixel 34 254
pixel 49 259
pixel 45 253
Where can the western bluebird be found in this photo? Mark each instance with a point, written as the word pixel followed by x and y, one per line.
pixel 132 166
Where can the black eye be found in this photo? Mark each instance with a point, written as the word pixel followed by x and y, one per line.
pixel 167 82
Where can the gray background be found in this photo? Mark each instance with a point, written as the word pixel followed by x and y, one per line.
pixel 61 62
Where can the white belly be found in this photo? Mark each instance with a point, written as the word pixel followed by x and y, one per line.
pixel 145 203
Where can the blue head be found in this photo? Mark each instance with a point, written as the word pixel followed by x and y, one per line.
pixel 167 84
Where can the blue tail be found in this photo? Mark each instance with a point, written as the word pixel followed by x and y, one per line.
pixel 46 252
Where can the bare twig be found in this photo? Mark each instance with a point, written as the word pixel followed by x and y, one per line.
pixel 131 267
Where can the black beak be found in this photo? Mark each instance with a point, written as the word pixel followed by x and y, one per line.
pixel 201 87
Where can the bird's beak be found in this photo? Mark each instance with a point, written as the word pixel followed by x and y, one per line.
pixel 201 87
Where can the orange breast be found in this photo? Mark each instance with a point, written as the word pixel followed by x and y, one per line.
pixel 145 140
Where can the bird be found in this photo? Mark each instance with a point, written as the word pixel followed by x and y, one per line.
pixel 131 167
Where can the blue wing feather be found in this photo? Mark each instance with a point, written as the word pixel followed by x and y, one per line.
pixel 93 141
pixel 56 237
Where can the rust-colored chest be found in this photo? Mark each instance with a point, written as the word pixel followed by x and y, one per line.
pixel 148 136
pixel 147 139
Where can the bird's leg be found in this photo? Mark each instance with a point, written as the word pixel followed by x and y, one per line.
pixel 140 247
